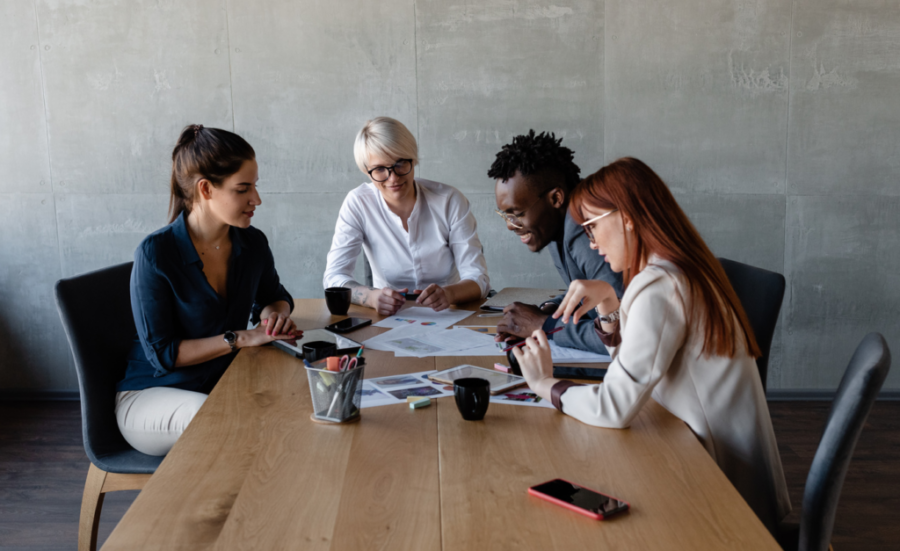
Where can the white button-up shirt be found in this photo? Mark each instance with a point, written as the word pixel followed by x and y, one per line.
pixel 441 246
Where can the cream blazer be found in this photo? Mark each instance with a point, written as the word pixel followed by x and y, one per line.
pixel 721 399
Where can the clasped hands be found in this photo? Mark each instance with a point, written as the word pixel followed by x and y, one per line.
pixel 277 326
pixel 389 301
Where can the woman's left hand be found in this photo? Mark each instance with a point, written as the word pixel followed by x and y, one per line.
pixel 536 363
pixel 434 296
pixel 279 324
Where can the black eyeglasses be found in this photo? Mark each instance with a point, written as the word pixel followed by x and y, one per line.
pixel 382 173
pixel 589 225
pixel 514 219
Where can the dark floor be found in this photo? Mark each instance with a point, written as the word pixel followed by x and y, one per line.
pixel 43 466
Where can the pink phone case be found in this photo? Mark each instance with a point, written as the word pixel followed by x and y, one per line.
pixel 585 512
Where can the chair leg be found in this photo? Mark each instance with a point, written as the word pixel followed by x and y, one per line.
pixel 91 505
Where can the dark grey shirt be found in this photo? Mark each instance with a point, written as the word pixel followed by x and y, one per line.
pixel 574 259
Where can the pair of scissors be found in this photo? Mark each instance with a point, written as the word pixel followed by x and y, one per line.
pixel 347 363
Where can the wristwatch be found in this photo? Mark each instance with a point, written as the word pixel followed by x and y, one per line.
pixel 609 318
pixel 231 339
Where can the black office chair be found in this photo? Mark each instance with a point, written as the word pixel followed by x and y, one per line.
pixel 857 392
pixel 760 292
pixel 95 309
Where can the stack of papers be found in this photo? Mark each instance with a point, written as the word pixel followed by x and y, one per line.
pixel 421 342
pixel 421 332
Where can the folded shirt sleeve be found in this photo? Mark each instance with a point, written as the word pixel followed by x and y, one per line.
pixel 345 246
pixel 270 289
pixel 152 304
pixel 654 333
pixel 465 245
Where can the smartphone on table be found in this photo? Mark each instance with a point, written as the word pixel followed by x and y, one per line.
pixel 579 499
pixel 347 325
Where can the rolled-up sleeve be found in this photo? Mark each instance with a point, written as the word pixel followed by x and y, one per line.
pixel 152 304
pixel 466 247
pixel 345 246
pixel 270 289
pixel 654 333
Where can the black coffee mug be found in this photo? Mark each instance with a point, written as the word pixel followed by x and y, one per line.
pixel 338 300
pixel 316 350
pixel 511 358
pixel 472 397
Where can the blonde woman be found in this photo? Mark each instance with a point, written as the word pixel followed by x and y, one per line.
pixel 419 236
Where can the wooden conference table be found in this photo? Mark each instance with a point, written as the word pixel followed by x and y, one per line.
pixel 252 471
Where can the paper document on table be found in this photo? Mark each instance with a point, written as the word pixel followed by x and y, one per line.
pixel 574 356
pixel 426 317
pixel 396 389
pixel 378 342
pixel 521 397
pixel 438 342
pixel 487 350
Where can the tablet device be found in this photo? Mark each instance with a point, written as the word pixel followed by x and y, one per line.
pixel 500 382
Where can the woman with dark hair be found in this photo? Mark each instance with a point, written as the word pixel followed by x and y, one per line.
pixel 194 286
pixel 679 334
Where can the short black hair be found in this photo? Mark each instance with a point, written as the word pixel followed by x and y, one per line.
pixel 539 155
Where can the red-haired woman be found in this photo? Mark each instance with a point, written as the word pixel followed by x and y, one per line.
pixel 679 334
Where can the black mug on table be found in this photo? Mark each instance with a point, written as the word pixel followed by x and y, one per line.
pixel 473 395
pixel 316 350
pixel 338 300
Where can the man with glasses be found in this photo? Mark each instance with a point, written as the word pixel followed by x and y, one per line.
pixel 534 177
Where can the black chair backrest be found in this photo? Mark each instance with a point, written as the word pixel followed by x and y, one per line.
pixel 857 392
pixel 760 292
pixel 95 309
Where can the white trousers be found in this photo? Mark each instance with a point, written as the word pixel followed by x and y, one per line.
pixel 151 420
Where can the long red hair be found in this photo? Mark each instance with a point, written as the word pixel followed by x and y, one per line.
pixel 662 228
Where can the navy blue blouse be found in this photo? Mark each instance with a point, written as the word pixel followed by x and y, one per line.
pixel 172 301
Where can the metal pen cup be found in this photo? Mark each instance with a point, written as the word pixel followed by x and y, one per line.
pixel 336 395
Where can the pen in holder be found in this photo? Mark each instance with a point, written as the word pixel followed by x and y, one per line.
pixel 336 395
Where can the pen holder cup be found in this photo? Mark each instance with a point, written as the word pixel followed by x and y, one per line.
pixel 336 395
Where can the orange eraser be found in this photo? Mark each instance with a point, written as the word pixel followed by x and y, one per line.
pixel 333 363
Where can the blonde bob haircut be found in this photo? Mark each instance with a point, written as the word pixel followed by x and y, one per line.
pixel 386 137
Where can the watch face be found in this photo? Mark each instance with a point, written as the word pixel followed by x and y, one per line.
pixel 230 337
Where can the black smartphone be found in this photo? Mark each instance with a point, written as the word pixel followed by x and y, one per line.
pixel 411 296
pixel 590 373
pixel 347 325
pixel 579 499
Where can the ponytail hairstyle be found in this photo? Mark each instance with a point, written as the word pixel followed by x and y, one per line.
pixel 663 229
pixel 203 154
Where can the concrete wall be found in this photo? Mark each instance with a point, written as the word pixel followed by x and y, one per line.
pixel 776 123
